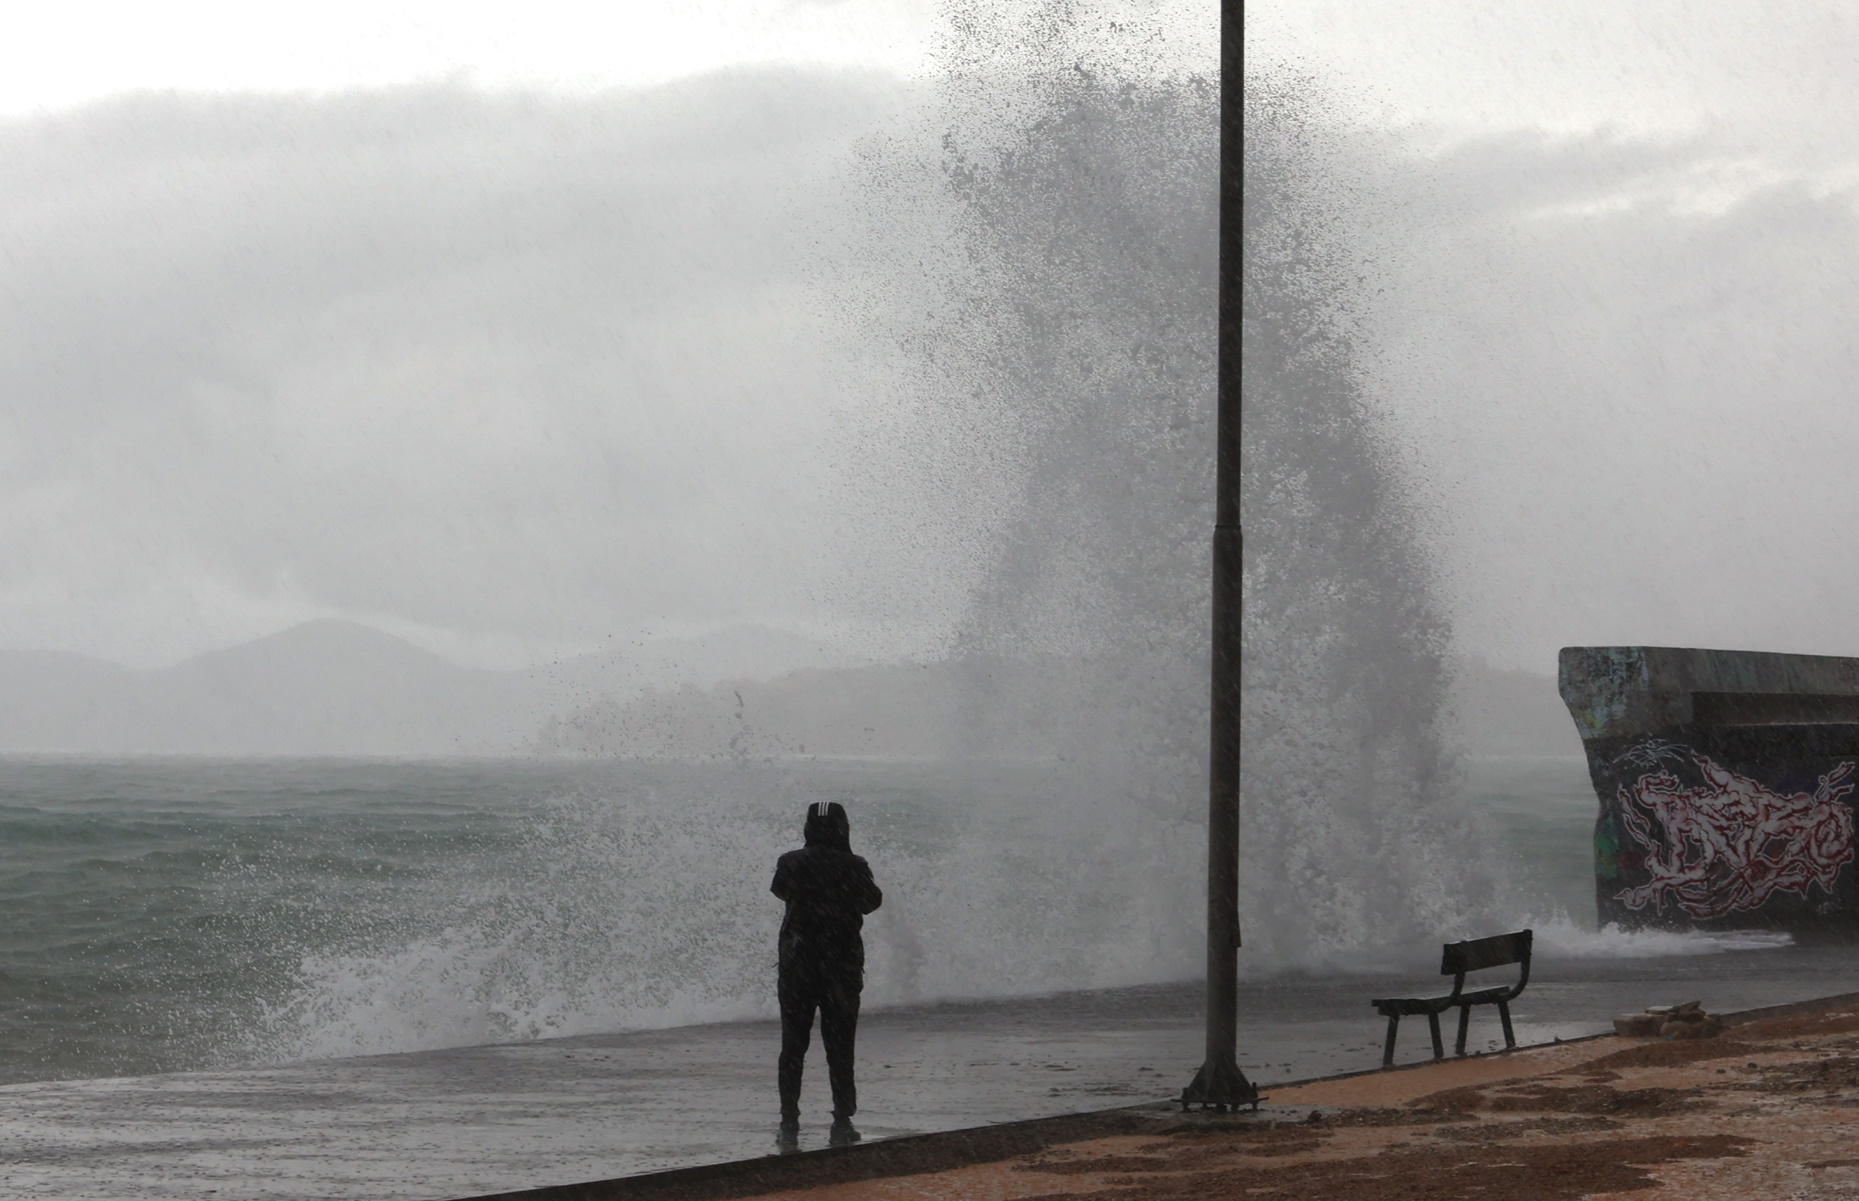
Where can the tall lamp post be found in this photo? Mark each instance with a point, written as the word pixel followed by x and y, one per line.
pixel 1220 1083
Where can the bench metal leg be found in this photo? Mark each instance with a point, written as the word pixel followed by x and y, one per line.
pixel 1510 1037
pixel 1465 1019
pixel 1439 1048
pixel 1387 1052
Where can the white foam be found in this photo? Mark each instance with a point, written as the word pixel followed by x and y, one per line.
pixel 1559 936
pixel 646 905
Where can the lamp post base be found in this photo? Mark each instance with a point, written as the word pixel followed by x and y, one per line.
pixel 1220 1085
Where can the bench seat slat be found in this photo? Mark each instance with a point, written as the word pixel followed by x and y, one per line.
pixel 1409 1006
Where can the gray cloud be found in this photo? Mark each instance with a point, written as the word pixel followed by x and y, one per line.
pixel 505 372
pixel 483 366
pixel 1623 374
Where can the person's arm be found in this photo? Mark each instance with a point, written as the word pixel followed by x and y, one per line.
pixel 870 895
pixel 783 885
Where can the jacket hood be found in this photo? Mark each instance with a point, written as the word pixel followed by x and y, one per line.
pixel 827 826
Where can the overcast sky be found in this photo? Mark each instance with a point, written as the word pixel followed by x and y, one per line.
pixel 519 330
pixel 57 55
pixel 515 329
pixel 523 328
pixel 1615 261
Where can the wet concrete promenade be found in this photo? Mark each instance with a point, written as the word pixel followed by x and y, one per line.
pixel 446 1124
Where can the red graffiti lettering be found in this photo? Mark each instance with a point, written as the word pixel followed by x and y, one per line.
pixel 1731 844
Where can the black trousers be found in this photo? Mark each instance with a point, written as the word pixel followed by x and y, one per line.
pixel 835 995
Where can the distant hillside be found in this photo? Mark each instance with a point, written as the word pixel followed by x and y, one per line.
pixel 1502 711
pixel 325 687
pixel 978 706
pixel 735 653
pixel 975 706
pixel 52 701
pixel 338 688
pixel 884 711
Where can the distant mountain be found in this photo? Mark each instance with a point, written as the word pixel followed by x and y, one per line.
pixel 733 653
pixel 1024 707
pixel 976 706
pixel 338 688
pixel 893 711
pixel 52 701
pixel 333 687
pixel 1507 711
pixel 322 688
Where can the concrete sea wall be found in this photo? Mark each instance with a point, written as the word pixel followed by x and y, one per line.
pixel 1726 785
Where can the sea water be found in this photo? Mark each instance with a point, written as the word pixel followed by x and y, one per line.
pixel 168 914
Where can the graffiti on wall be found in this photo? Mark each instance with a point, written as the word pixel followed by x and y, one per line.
pixel 1730 843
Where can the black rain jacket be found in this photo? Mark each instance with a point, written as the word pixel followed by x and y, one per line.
pixel 828 891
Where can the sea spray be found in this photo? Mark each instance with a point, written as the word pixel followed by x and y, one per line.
pixel 1087 189
pixel 1077 315
pixel 639 898
pixel 1357 828
pixel 627 900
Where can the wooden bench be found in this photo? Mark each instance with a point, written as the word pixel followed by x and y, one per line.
pixel 1459 958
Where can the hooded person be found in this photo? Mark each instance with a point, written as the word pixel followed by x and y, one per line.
pixel 828 891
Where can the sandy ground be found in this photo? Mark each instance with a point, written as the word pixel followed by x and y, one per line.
pixel 1768 1109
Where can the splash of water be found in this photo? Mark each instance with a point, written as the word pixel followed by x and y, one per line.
pixel 1089 217
pixel 1074 344
pixel 1558 936
pixel 640 900
pixel 1359 818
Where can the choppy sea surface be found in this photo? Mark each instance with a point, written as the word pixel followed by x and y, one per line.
pixel 170 914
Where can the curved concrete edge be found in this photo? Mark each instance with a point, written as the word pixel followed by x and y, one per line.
pixel 915 1154
pixel 1745 1016
pixel 908 1155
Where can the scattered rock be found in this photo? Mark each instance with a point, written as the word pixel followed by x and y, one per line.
pixel 1690 1021
pixel 1638 1025
pixel 1670 1021
pixel 1707 1025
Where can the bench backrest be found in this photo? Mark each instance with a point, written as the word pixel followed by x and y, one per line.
pixel 1474 954
pixel 1477 953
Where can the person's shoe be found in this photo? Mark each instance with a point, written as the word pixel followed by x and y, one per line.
pixel 787 1135
pixel 842 1133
